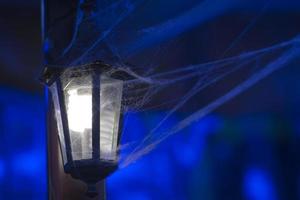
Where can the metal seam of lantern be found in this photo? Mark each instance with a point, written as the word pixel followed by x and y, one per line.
pixel 88 109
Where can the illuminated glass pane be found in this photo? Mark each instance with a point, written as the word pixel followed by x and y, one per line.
pixel 78 102
pixel 74 114
pixel 110 108
pixel 57 113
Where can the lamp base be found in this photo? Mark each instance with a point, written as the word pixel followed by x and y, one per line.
pixel 98 191
pixel 91 191
pixel 91 171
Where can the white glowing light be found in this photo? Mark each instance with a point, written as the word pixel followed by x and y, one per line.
pixel 79 110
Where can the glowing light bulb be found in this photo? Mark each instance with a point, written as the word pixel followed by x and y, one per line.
pixel 79 110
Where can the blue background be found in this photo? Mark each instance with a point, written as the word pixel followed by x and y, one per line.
pixel 246 149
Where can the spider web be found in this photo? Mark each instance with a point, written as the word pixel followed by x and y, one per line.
pixel 116 37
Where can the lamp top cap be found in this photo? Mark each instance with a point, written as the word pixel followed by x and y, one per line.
pixel 51 72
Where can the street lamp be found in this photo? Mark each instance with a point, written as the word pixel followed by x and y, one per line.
pixel 88 108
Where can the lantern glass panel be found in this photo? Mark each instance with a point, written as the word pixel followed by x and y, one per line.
pixel 110 110
pixel 74 110
pixel 58 116
pixel 78 103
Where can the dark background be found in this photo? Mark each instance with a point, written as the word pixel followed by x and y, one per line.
pixel 247 149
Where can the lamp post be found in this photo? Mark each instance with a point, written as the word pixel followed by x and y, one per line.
pixel 88 109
